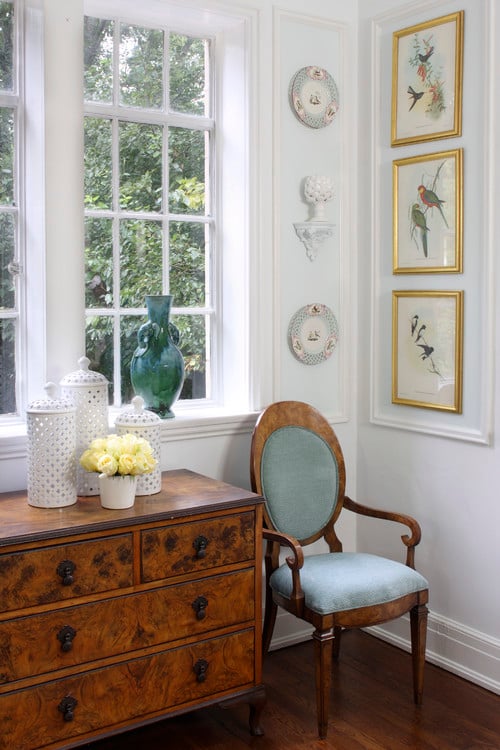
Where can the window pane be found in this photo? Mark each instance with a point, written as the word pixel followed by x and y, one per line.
pixel 140 261
pixel 98 262
pixel 6 156
pixel 6 46
pixel 188 86
pixel 99 346
pixel 187 264
pixel 140 167
pixel 98 60
pixel 129 327
pixel 7 247
pixel 7 367
pixel 187 171
pixel 98 164
pixel 141 67
pixel 193 331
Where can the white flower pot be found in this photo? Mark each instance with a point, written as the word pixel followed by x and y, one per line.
pixel 118 491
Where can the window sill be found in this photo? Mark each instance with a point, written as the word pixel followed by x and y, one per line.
pixel 188 424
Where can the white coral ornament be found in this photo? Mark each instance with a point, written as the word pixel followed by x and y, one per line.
pixel 318 190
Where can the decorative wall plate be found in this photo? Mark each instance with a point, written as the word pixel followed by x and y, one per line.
pixel 313 333
pixel 314 96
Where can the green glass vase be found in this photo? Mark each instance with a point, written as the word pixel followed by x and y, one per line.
pixel 157 367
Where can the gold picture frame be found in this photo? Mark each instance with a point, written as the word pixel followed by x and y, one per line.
pixel 427 333
pixel 427 69
pixel 427 211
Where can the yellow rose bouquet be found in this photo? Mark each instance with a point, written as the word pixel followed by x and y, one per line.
pixel 119 454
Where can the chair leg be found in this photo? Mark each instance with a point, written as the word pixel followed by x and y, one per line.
pixel 269 620
pixel 323 648
pixel 337 632
pixel 418 624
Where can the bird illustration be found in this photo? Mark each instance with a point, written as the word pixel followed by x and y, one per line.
pixel 430 199
pixel 426 351
pixel 420 332
pixel 415 95
pixel 414 323
pixel 418 220
pixel 424 58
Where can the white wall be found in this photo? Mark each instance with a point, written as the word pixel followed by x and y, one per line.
pixel 449 484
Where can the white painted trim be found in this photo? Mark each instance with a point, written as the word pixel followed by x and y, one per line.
pixel 346 230
pixel 455 647
pixel 476 427
pixel 466 652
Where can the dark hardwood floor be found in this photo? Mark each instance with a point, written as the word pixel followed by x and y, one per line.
pixel 371 709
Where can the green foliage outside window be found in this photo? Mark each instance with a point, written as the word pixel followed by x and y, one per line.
pixel 142 146
pixel 8 221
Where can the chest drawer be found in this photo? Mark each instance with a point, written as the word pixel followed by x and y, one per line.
pixel 43 643
pixel 192 547
pixel 61 710
pixel 65 571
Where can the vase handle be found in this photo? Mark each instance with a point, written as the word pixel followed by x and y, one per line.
pixel 145 334
pixel 174 333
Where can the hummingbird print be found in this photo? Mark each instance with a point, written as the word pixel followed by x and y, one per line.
pixel 424 58
pixel 415 95
pixel 431 200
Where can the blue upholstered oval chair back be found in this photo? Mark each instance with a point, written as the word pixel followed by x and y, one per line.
pixel 300 481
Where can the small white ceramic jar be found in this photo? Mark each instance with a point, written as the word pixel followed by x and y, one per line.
pixel 51 425
pixel 144 424
pixel 89 391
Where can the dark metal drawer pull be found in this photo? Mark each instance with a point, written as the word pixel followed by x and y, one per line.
pixel 200 670
pixel 66 635
pixel 67 707
pixel 200 545
pixel 65 570
pixel 200 605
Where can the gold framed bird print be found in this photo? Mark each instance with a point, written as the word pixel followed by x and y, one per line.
pixel 427 213
pixel 427 69
pixel 427 345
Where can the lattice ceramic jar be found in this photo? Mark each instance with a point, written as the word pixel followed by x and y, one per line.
pixel 144 424
pixel 89 391
pixel 51 424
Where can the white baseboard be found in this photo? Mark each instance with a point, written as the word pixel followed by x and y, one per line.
pixel 457 648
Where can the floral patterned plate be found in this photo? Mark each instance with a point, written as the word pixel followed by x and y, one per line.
pixel 313 333
pixel 314 96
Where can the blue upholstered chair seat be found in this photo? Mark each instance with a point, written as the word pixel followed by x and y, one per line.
pixel 338 581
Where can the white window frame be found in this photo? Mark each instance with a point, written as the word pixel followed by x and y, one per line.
pixel 29 186
pixel 163 118
pixel 55 322
pixel 230 388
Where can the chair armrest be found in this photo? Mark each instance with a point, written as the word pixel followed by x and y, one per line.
pixel 284 540
pixel 276 540
pixel 387 515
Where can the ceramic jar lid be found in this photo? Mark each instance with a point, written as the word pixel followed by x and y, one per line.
pixel 52 404
pixel 138 416
pixel 84 377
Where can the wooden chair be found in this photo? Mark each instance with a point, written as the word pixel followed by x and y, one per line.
pixel 298 467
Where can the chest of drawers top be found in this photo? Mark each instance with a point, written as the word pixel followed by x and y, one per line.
pixel 184 494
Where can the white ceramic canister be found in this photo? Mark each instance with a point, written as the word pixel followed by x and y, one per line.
pixel 51 424
pixel 145 424
pixel 89 391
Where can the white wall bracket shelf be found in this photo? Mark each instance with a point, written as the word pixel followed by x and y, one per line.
pixel 313 234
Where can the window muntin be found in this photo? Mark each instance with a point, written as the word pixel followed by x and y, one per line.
pixel 149 226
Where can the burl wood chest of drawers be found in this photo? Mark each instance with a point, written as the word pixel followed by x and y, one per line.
pixel 112 619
